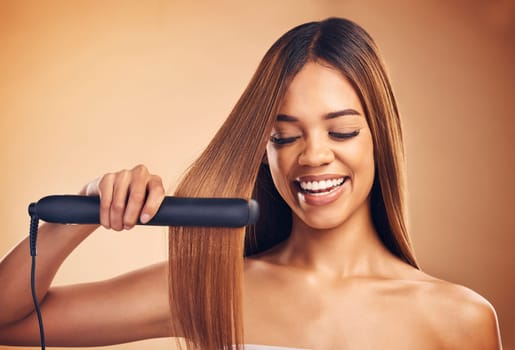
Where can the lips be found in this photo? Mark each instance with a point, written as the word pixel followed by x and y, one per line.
pixel 320 189
pixel 321 186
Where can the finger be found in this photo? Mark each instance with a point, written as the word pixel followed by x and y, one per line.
pixel 134 204
pixel 105 191
pixel 137 194
pixel 156 194
pixel 119 202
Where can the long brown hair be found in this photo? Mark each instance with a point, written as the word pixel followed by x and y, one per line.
pixel 206 264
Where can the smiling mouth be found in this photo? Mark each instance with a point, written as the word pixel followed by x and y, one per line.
pixel 319 188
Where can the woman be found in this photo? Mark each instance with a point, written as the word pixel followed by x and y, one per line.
pixel 316 138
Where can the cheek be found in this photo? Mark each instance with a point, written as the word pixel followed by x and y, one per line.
pixel 280 163
pixel 360 159
pixel 366 162
pixel 278 159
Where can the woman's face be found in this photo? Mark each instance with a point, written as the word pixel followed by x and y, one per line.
pixel 320 152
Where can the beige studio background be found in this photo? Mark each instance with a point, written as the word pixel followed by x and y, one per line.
pixel 88 87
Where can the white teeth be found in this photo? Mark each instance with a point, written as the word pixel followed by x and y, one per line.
pixel 320 185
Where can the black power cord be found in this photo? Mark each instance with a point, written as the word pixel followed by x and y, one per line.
pixel 33 235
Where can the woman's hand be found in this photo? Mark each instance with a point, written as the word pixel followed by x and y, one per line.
pixel 107 312
pixel 125 196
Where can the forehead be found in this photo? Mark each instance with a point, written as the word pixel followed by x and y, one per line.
pixel 319 88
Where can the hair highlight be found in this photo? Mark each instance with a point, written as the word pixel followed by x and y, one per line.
pixel 206 264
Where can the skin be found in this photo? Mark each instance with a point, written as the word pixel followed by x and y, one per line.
pixel 332 285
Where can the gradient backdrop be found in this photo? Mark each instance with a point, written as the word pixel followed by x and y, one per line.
pixel 88 87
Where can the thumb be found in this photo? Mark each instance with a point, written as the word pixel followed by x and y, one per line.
pixel 91 188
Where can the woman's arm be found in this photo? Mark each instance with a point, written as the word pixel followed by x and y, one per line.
pixel 463 318
pixel 130 307
pixel 103 312
pixel 57 241
pixel 480 327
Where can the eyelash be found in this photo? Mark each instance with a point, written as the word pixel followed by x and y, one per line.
pixel 337 135
pixel 283 141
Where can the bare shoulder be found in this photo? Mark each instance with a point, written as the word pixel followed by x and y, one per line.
pixel 461 317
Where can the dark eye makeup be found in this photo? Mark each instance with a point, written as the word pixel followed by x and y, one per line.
pixel 343 136
pixel 283 140
pixel 336 135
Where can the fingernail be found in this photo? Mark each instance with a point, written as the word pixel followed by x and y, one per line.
pixel 144 218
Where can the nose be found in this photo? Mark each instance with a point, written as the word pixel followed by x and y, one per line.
pixel 316 152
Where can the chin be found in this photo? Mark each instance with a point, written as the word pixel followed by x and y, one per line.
pixel 324 221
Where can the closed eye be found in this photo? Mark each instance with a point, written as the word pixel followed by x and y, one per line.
pixel 343 136
pixel 283 140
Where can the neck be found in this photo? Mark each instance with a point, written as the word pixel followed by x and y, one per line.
pixel 351 249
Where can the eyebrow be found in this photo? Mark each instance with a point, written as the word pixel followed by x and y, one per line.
pixel 332 115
